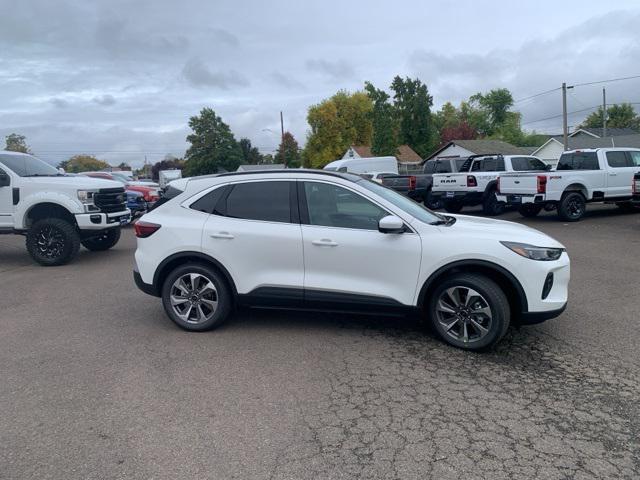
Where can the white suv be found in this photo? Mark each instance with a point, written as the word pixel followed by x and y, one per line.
pixel 330 241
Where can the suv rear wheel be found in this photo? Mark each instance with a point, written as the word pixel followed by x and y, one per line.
pixel 104 241
pixel 469 311
pixel 52 242
pixel 196 297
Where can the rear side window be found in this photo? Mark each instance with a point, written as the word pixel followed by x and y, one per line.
pixel 266 201
pixel 430 167
pixel 635 158
pixel 527 164
pixel 492 164
pixel 578 161
pixel 618 160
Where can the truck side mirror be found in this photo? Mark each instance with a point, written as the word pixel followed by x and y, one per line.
pixel 5 180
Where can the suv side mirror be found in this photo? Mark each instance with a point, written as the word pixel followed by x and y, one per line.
pixel 391 224
pixel 5 180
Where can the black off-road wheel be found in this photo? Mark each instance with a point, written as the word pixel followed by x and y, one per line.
pixel 572 206
pixel 529 210
pixel 469 311
pixel 104 241
pixel 432 202
pixel 491 206
pixel 52 242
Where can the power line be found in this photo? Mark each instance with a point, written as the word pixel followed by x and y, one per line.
pixel 536 95
pixel 619 79
pixel 572 113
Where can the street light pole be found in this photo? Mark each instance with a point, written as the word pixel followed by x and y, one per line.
pixel 284 159
pixel 565 126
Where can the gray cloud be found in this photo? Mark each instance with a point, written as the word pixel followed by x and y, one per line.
pixel 198 74
pixel 104 100
pixel 336 69
pixel 224 36
pixel 58 102
pixel 286 81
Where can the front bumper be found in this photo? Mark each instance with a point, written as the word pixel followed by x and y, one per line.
pixel 100 221
pixel 532 318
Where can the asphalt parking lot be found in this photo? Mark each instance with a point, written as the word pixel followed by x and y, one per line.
pixel 96 382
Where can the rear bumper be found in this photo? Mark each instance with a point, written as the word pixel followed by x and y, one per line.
pixel 147 288
pixel 466 198
pixel 519 199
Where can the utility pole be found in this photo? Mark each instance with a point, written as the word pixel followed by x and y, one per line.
pixel 284 159
pixel 565 126
pixel 604 112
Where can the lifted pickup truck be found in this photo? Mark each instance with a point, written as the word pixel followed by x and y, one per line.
pixel 477 181
pixel 418 187
pixel 57 212
pixel 593 175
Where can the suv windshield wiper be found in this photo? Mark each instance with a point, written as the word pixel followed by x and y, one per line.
pixel 43 175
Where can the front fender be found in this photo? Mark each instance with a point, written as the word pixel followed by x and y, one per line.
pixel 25 204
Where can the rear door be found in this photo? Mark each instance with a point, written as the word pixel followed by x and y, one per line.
pixel 620 173
pixel 346 258
pixel 255 233
pixel 6 203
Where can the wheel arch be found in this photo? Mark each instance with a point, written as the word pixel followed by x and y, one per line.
pixel 177 259
pixel 42 210
pixel 505 279
pixel 490 188
pixel 577 187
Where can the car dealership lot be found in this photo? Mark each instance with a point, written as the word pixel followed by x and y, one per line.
pixel 96 382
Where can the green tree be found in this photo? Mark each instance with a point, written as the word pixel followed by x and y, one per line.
pixel 336 124
pixel 292 157
pixel 620 115
pixel 124 166
pixel 250 154
pixel 16 143
pixel 384 141
pixel 213 146
pixel 413 104
pixel 83 163
pixel 496 104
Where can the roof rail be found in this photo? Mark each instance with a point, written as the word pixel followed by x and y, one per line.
pixel 310 171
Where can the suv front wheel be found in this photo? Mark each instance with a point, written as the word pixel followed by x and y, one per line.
pixel 469 311
pixel 196 297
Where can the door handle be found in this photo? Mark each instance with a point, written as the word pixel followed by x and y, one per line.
pixel 613 174
pixel 223 235
pixel 325 242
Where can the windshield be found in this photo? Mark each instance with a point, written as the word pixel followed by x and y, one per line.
pixel 27 166
pixel 405 204
pixel 120 177
pixel 527 164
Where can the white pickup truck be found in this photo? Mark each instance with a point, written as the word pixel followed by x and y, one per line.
pixel 57 212
pixel 581 176
pixel 477 181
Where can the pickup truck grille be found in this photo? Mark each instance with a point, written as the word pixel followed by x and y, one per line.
pixel 110 200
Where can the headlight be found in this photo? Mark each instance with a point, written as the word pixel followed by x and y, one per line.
pixel 533 252
pixel 86 196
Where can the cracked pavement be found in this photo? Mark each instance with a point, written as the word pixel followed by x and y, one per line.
pixel 96 383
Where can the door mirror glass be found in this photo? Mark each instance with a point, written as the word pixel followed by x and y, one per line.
pixel 5 181
pixel 391 224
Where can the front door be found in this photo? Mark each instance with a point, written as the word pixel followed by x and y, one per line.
pixel 346 258
pixel 6 202
pixel 254 232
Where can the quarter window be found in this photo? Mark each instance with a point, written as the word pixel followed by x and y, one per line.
pixel 266 201
pixel 635 158
pixel 333 206
pixel 208 202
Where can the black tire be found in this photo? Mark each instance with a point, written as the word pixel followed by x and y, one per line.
pixel 452 206
pixel 52 242
pixel 104 241
pixel 492 295
pixel 529 210
pixel 432 202
pixel 491 206
pixel 222 296
pixel 572 206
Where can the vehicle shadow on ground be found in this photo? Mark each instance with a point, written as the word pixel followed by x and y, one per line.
pixel 593 212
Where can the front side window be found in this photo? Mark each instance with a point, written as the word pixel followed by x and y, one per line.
pixel 333 206
pixel 265 201
pixel 527 164
pixel 617 160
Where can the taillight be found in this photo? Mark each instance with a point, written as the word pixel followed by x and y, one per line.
pixel 145 229
pixel 412 183
pixel 542 184
pixel 471 181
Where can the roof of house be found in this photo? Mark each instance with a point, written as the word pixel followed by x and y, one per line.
pixel 405 153
pixel 264 166
pixel 631 141
pixel 611 132
pixel 485 146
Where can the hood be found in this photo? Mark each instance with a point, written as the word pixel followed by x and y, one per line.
pixel 500 230
pixel 80 182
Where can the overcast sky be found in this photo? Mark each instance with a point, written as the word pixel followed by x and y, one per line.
pixel 120 78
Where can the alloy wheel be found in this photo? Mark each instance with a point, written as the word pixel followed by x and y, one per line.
pixel 464 314
pixel 194 298
pixel 50 242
